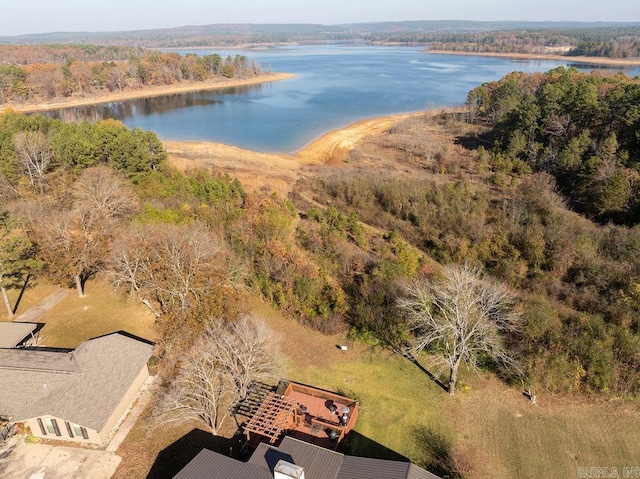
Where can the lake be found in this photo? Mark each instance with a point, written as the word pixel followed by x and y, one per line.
pixel 335 86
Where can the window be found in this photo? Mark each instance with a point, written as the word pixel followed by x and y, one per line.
pixel 80 431
pixel 51 425
pixel 42 429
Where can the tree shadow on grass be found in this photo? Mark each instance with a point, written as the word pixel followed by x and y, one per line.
pixel 176 456
pixel 474 141
pixel 405 353
pixel 436 452
pixel 361 446
pixel 22 290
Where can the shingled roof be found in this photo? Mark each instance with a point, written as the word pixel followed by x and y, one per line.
pixel 83 386
pixel 14 333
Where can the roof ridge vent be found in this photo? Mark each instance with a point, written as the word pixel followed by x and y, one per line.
pixel 286 470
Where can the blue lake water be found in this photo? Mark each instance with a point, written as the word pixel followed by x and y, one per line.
pixel 335 86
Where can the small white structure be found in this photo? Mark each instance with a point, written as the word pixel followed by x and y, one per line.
pixel 286 470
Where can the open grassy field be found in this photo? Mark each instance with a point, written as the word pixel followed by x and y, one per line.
pixel 493 429
pixel 75 319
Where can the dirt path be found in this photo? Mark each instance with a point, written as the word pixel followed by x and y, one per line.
pixel 32 314
pixel 148 92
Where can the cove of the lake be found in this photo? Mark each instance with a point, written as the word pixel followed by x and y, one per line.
pixel 335 85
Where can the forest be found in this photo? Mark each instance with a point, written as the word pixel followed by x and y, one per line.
pixel 547 204
pixel 42 73
pixel 580 128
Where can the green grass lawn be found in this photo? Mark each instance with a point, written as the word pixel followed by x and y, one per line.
pixel 493 429
pixel 396 399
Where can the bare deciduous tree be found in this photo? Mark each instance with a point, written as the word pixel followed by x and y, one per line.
pixel 460 317
pixel 128 266
pixel 35 156
pixel 104 194
pixel 213 375
pixel 248 350
pixel 75 242
pixel 172 264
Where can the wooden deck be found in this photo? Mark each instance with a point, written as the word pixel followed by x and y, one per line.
pixel 307 413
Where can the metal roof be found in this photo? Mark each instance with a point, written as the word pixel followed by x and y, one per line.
pixel 361 467
pixel 12 334
pixel 211 465
pixel 317 462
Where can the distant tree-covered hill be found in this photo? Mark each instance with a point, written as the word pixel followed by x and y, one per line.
pixel 610 42
pixel 595 38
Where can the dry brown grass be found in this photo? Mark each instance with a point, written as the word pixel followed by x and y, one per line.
pixel 513 438
pixel 36 291
pixel 276 172
pixel 75 319
pixel 256 171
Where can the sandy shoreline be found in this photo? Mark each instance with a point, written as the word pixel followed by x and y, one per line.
pixel 277 171
pixel 531 56
pixel 333 147
pixel 147 93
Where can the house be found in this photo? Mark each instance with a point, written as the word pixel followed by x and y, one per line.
pixel 18 334
pixel 309 424
pixel 74 395
pixel 296 459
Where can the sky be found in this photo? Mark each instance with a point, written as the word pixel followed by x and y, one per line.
pixel 44 16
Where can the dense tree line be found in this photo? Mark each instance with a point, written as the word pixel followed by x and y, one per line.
pixel 99 198
pixel 38 154
pixel 60 74
pixel 605 42
pixel 578 280
pixel 581 128
pixel 22 55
